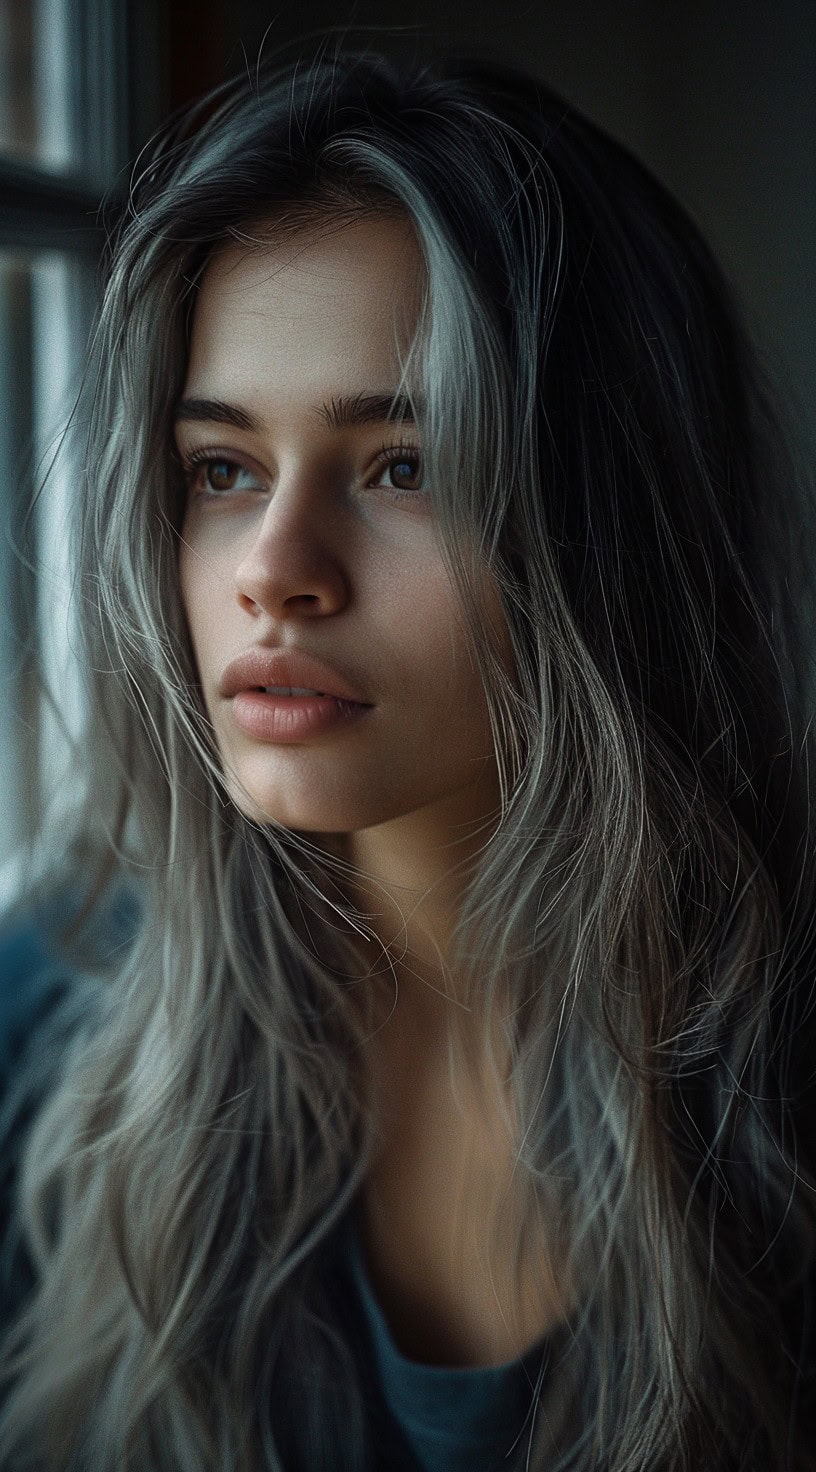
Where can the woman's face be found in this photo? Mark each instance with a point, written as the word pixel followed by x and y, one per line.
pixel 296 535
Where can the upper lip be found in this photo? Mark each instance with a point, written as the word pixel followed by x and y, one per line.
pixel 289 667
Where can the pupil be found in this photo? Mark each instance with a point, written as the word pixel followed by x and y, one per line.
pixel 404 468
pixel 220 471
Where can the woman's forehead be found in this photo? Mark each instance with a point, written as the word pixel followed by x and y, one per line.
pixel 324 300
pixel 379 249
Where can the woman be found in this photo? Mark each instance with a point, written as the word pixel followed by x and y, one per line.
pixel 441 590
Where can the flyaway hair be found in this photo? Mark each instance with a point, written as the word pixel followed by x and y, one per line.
pixel 601 435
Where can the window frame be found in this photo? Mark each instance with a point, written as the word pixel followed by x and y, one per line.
pixel 120 95
pixel 119 79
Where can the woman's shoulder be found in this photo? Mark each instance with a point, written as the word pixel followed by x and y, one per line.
pixel 41 1006
pixel 38 967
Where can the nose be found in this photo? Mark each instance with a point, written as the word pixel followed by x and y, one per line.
pixel 292 563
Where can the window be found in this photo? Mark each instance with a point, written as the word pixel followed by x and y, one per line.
pixel 81 88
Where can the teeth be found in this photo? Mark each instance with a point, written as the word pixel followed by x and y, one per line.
pixel 289 690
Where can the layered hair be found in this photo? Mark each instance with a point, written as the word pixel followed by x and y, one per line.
pixel 600 435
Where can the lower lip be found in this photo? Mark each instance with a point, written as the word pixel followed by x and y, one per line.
pixel 285 718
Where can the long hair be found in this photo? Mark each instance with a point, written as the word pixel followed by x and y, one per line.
pixel 600 434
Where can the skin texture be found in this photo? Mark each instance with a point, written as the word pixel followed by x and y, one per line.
pixel 311 547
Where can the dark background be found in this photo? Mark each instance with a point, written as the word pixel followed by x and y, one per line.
pixel 719 99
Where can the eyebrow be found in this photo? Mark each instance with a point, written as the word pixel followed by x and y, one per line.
pixel 338 413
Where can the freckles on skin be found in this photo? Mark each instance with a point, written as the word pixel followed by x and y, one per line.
pixel 317 552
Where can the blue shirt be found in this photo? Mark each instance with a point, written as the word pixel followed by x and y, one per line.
pixel 453 1419
pixel 447 1419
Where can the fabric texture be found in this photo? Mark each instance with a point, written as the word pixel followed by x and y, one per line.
pixel 430 1418
pixel 454 1419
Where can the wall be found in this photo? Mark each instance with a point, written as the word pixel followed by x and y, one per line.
pixel 718 98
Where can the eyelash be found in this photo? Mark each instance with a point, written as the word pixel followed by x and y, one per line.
pixel 388 455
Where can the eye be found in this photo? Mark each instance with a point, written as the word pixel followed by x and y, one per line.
pixel 215 476
pixel 208 474
pixel 403 463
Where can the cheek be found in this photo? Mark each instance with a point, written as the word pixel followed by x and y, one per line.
pixel 447 665
pixel 425 616
pixel 199 606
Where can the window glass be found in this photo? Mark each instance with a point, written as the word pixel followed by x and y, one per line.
pixel 37 91
pixel 44 313
pixel 81 85
pixel 15 429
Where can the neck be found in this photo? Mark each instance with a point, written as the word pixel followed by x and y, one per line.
pixel 408 880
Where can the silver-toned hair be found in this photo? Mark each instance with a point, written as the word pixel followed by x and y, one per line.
pixel 599 437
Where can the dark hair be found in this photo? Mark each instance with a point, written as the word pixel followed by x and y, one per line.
pixel 600 428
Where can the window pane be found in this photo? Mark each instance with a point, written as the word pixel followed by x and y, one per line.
pixel 15 429
pixel 37 83
pixel 61 289
pixel 45 303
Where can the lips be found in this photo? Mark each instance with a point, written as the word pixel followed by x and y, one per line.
pixel 293 668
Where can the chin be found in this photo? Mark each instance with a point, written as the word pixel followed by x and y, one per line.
pixel 266 807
